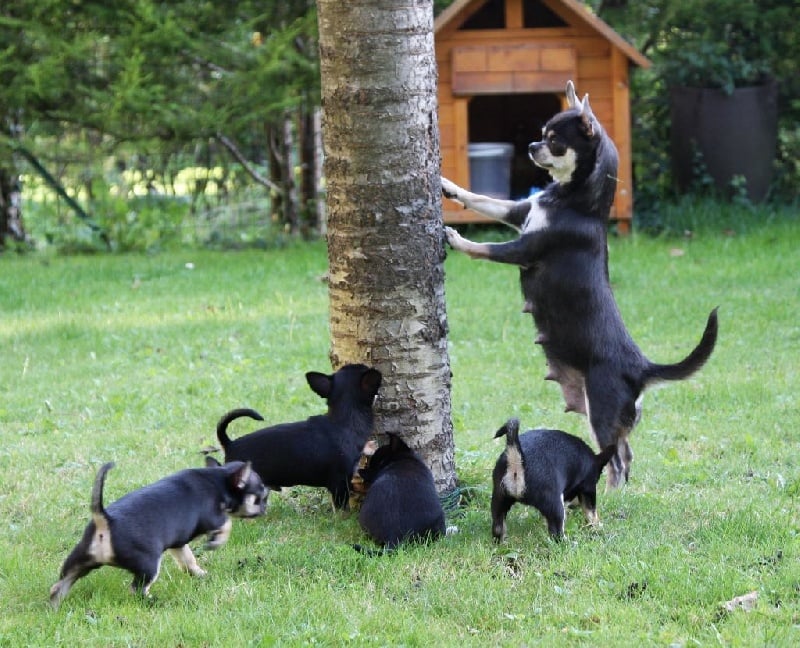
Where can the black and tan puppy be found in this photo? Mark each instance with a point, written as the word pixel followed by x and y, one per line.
pixel 401 503
pixel 320 451
pixel 134 532
pixel 562 257
pixel 545 469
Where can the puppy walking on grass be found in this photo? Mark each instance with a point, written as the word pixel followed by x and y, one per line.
pixel 562 256
pixel 134 532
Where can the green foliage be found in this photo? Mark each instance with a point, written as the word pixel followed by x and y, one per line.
pixel 722 44
pixel 134 358
pixel 142 69
pixel 708 43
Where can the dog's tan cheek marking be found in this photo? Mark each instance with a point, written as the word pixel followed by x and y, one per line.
pixel 101 548
pixel 514 479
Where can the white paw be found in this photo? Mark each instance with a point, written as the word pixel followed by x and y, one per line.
pixel 449 189
pixel 453 237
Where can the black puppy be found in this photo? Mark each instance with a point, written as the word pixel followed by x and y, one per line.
pixel 401 503
pixel 545 469
pixel 134 532
pixel 320 451
pixel 563 259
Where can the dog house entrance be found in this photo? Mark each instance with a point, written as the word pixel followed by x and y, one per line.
pixel 515 119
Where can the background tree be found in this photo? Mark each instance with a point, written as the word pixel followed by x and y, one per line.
pixel 385 244
pixel 167 80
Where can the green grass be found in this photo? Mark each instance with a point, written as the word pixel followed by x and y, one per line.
pixel 134 358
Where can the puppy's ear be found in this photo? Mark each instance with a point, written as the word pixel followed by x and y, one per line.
pixel 371 381
pixel 240 478
pixel 397 444
pixel 211 462
pixel 320 383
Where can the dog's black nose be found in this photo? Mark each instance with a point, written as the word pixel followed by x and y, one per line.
pixel 533 147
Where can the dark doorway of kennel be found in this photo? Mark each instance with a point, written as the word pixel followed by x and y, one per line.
pixel 515 119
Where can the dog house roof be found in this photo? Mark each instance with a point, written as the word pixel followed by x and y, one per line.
pixel 574 7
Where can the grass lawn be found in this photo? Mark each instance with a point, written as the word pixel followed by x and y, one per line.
pixel 134 358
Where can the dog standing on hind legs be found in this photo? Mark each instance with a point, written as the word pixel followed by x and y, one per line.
pixel 562 255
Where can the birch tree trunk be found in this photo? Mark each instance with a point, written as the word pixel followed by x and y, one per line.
pixel 385 244
pixel 10 208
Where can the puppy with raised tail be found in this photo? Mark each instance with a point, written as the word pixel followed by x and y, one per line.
pixel 134 532
pixel 545 469
pixel 562 256
pixel 321 451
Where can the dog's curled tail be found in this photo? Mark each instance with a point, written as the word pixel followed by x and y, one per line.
pixel 604 456
pixel 510 430
pixel 97 489
pixel 692 362
pixel 372 553
pixel 222 426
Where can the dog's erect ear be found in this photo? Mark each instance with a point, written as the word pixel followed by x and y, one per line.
pixel 397 444
pixel 371 381
pixel 211 462
pixel 572 98
pixel 241 476
pixel 587 125
pixel 320 383
pixel 588 120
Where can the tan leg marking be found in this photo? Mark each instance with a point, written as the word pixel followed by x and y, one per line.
pixel 220 536
pixel 186 560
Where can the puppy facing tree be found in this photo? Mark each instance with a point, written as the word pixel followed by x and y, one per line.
pixel 386 277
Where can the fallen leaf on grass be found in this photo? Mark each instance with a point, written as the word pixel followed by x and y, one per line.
pixel 677 252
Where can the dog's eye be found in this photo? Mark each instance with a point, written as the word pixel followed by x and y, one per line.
pixel 555 145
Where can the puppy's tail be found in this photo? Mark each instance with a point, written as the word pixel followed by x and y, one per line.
pixel 97 490
pixel 510 430
pixel 692 362
pixel 604 456
pixel 222 426
pixel 372 553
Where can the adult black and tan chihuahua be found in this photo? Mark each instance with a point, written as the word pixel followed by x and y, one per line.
pixel 562 256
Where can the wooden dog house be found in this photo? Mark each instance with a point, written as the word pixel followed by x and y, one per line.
pixel 503 67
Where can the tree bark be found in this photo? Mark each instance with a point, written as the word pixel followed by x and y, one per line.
pixel 385 243
pixel 11 225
